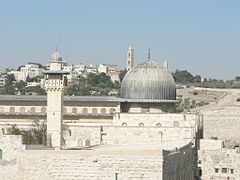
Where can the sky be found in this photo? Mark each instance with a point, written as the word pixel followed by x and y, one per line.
pixel 202 37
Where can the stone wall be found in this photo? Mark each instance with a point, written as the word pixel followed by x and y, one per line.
pixel 220 164
pixel 8 170
pixel 88 135
pixel 107 163
pixel 10 145
pixel 173 170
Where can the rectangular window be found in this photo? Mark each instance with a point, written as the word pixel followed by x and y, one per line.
pixel 224 170
pixel 232 171
pixel 216 170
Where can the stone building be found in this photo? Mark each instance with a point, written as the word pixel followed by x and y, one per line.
pixel 135 136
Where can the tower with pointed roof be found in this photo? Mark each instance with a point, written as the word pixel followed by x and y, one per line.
pixel 165 64
pixel 130 58
pixel 55 82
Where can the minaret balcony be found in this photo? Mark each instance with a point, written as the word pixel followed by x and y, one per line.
pixel 54 83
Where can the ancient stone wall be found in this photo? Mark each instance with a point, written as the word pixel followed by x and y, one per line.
pixel 10 145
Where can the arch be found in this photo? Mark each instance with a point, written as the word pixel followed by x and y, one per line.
pixel 74 110
pixel 124 124
pixel 22 109
pixel 80 143
pixel 85 111
pixel 176 124
pixel 94 111
pixel 158 124
pixel 236 147
pixel 103 111
pixel 87 142
pixel 43 110
pixel 112 110
pixel 141 124
pixel 33 110
pixel 12 110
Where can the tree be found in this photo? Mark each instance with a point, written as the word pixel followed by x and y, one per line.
pixel 197 78
pixel 21 86
pixel 183 76
pixel 237 78
pixel 9 79
pixel 122 74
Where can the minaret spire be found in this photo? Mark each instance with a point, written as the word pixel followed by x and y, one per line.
pixel 149 54
pixel 165 64
pixel 130 57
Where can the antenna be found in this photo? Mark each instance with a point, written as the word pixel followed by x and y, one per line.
pixel 149 54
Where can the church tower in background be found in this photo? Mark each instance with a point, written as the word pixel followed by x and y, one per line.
pixel 130 58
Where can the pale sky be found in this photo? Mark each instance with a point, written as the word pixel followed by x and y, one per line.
pixel 202 37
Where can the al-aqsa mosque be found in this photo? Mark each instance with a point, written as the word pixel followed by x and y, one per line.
pixel 115 137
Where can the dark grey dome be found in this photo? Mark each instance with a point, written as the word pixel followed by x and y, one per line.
pixel 148 80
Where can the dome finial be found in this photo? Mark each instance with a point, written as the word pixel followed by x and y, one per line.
pixel 149 54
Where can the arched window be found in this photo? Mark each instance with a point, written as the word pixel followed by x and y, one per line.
pixel 94 111
pixel 103 111
pixel 176 124
pixel 141 124
pixel 158 125
pixel 85 110
pixel 74 110
pixel 124 124
pixel 112 110
pixel 33 110
pixel 12 110
pixel 87 142
pixel 43 110
pixel 22 109
pixel 80 142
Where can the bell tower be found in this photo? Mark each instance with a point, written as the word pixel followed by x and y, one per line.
pixel 55 82
pixel 130 57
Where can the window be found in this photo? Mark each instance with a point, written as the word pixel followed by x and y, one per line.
pixel 85 110
pixel 43 110
pixel 216 170
pixel 224 170
pixel 94 111
pixel 158 125
pixel 141 124
pixel 12 110
pixel 231 171
pixel 112 110
pixel 22 109
pixel 176 124
pixel 74 110
pixel 33 109
pixel 103 111
pixel 124 124
pixel 87 142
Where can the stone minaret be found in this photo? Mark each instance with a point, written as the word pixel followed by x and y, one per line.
pixel 130 57
pixel 55 82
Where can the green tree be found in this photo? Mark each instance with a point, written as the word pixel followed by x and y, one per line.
pixel 122 74
pixel 183 76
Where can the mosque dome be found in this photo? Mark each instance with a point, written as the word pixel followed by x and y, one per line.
pixel 148 81
pixel 56 56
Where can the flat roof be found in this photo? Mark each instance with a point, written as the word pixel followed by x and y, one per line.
pixel 83 99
